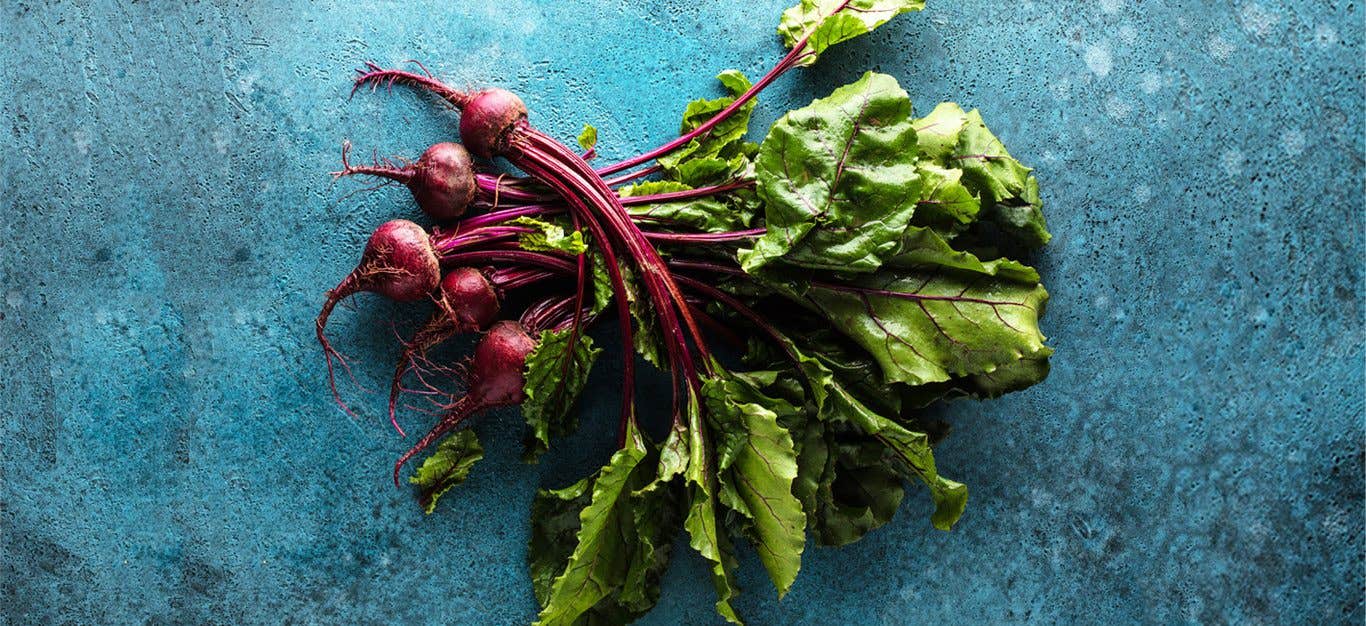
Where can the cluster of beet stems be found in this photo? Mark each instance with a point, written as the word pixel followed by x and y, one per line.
pixel 467 266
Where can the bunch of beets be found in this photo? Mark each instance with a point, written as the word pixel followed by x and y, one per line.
pixel 855 261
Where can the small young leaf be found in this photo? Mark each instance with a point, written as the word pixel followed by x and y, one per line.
pixel 646 339
pixel 710 214
pixel 828 22
pixel 554 379
pixel 549 237
pixel 648 343
pixel 718 148
pixel 447 467
pixel 588 139
pixel 601 281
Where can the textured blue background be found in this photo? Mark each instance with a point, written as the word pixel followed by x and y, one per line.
pixel 170 455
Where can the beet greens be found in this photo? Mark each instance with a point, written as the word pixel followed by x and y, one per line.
pixel 859 257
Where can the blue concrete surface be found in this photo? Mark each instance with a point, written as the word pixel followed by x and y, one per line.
pixel 170 455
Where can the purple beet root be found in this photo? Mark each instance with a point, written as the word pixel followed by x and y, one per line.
pixel 495 379
pixel 398 263
pixel 487 121
pixel 442 180
pixel 468 303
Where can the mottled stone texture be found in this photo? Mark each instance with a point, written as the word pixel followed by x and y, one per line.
pixel 170 455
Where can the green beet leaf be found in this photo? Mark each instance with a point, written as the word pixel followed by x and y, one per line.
pixel 645 337
pixel 601 282
pixel 657 520
pixel 549 237
pixel 447 467
pixel 824 23
pixel 708 539
pixel 710 214
pixel 924 249
pixel 554 530
pixel 757 471
pixel 945 203
pixel 931 326
pixel 1007 190
pixel 619 524
pixel 648 342
pixel 838 180
pixel 1010 377
pixel 555 376
pixel 913 451
pixel 588 139
pixel 705 534
pixel 939 132
pixel 719 154
pixel 858 492
pixel 844 486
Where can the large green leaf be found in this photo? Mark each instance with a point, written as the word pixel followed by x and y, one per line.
pixel 657 520
pixel 843 481
pixel 705 534
pixel 930 326
pixel 828 22
pixel 619 523
pixel 555 376
pixel 911 448
pixel 554 533
pixel 945 203
pixel 858 491
pixel 1016 376
pixel 447 467
pixel 924 249
pixel 1008 191
pixel 757 470
pixel 939 132
pixel 838 179
pixel 601 552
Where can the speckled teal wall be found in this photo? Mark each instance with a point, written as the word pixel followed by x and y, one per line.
pixel 169 454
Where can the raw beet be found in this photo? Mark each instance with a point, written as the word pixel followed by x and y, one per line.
pixel 398 263
pixel 488 119
pixel 468 303
pixel 496 378
pixel 442 180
